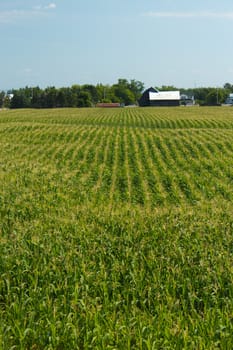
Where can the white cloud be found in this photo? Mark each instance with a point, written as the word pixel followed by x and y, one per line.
pixel 50 6
pixel 14 15
pixel 217 15
pixel 11 16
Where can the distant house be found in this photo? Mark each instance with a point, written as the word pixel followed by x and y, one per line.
pixel 186 100
pixel 229 100
pixel 154 97
pixel 10 96
pixel 108 105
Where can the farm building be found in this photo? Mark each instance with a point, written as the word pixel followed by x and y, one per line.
pixel 186 100
pixel 229 100
pixel 108 104
pixel 154 97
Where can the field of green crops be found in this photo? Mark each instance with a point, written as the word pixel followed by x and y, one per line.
pixel 116 229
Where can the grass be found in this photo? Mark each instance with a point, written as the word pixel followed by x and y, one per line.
pixel 116 229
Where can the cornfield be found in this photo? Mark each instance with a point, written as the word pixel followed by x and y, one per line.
pixel 116 228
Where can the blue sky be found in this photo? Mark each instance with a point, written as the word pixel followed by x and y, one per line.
pixel 159 42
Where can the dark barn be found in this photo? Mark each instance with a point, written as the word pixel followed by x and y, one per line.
pixel 153 97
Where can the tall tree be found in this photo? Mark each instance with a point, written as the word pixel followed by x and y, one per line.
pixel 136 87
pixel 122 91
pixel 2 97
pixel 92 91
pixel 21 99
pixel 50 97
pixel 84 99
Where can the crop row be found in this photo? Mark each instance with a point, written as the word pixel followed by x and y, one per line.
pixel 115 233
pixel 132 165
pixel 161 118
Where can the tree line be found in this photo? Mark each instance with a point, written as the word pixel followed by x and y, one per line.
pixel 204 96
pixel 124 92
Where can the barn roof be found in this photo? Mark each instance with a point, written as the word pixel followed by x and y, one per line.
pixel 154 97
pixel 164 95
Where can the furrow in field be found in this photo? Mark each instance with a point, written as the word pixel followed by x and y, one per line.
pixel 82 138
pixel 95 163
pixel 205 171
pixel 136 191
pixel 54 152
pixel 174 170
pixel 100 118
pixel 26 143
pixel 21 133
pixel 140 187
pixel 70 152
pixel 181 177
pixel 83 160
pixel 71 140
pixel 172 175
pixel 151 172
pixel 72 134
pixel 189 165
pixel 192 165
pixel 160 167
pixel 107 117
pixel 127 166
pixel 217 140
pixel 152 119
pixel 134 118
pixel 122 171
pixel 130 117
pixel 114 148
pixel 170 124
pixel 99 188
pixel 41 143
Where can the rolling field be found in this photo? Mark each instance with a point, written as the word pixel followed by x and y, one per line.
pixel 116 228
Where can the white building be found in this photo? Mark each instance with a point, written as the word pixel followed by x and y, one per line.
pixel 154 97
pixel 229 100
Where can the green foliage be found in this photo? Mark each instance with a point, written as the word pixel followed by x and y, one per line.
pixel 228 87
pixel 116 228
pixel 78 95
pixel 2 97
pixel 84 99
pixel 168 88
pixel 212 97
pixel 124 91
pixel 215 97
pixel 136 87
pixel 93 93
pixel 127 92
pixel 21 98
